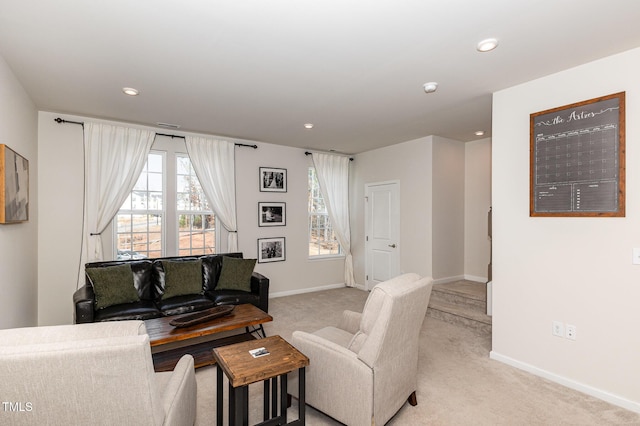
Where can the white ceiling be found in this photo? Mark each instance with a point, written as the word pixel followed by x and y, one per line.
pixel 260 69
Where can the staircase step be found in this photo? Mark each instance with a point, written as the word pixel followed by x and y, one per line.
pixel 455 298
pixel 461 302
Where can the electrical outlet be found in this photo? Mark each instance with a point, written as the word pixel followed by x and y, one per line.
pixel 635 258
pixel 571 332
pixel 557 329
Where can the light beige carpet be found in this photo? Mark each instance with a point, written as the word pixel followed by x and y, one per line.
pixel 457 382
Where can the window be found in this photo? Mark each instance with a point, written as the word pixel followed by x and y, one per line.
pixel 167 213
pixel 322 239
pixel 196 222
pixel 139 221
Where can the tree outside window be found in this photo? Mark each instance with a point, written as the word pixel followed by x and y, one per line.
pixel 322 239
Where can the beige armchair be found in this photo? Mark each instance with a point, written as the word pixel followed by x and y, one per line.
pixel 362 372
pixel 90 374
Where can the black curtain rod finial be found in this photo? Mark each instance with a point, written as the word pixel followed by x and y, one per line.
pixel 60 121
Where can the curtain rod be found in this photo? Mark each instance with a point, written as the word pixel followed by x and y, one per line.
pixel 309 153
pixel 60 120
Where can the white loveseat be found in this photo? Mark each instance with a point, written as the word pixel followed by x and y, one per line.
pixel 364 370
pixel 90 374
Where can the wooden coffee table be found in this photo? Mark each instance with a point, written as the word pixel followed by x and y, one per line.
pixel 169 343
pixel 242 369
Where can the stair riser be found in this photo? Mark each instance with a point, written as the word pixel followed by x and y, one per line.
pixel 458 320
pixel 439 296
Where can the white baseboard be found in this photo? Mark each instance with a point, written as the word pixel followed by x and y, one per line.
pixel 572 384
pixel 306 290
pixel 448 279
pixel 460 277
pixel 475 278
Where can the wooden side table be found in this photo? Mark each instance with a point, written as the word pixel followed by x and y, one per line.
pixel 242 369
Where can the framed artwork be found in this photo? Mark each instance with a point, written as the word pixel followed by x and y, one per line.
pixel 14 186
pixel 271 250
pixel 577 155
pixel 272 214
pixel 273 180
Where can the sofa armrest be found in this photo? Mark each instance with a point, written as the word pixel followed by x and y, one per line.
pixel 83 302
pixel 260 286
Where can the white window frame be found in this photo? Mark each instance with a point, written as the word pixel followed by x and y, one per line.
pixel 170 148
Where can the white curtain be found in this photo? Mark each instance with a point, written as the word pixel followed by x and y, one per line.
pixel 333 177
pixel 113 159
pixel 214 163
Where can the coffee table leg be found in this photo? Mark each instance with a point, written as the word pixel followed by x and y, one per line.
pixel 219 395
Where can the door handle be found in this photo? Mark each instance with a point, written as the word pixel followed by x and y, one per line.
pixel 392 245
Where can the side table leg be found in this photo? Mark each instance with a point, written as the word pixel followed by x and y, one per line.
pixel 301 390
pixel 266 402
pixel 219 395
pixel 274 397
pixel 239 405
pixel 283 397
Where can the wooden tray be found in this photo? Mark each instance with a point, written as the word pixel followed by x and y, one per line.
pixel 202 316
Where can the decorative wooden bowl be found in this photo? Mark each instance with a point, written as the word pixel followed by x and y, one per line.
pixel 201 316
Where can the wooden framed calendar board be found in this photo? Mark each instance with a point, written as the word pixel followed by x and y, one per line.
pixel 577 155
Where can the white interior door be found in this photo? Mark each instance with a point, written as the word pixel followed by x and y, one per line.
pixel 382 227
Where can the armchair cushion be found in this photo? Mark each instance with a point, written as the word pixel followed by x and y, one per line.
pixel 350 321
pixel 112 285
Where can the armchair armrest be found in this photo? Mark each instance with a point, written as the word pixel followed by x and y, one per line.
pixel 334 374
pixel 260 286
pixel 179 396
pixel 350 321
pixel 83 302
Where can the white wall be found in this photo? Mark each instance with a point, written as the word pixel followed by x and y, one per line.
pixel 444 184
pixel 410 163
pixel 18 242
pixel 477 196
pixel 448 209
pixel 574 270
pixel 61 175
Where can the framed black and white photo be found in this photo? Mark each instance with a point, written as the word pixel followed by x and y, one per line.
pixel 271 250
pixel 272 214
pixel 273 180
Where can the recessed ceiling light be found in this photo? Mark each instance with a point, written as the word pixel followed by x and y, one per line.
pixel 430 87
pixel 487 44
pixel 130 91
pixel 308 126
pixel 480 133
